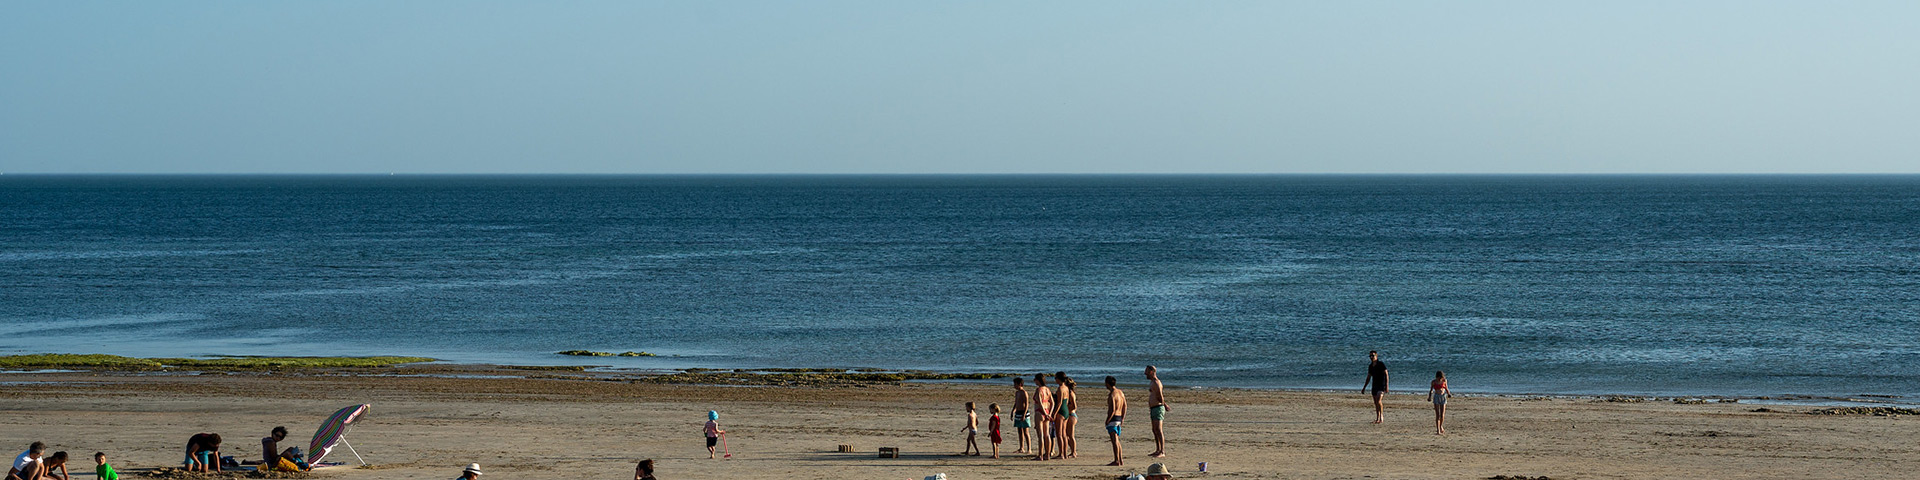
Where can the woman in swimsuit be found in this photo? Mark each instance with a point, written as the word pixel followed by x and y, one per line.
pixel 1071 404
pixel 1437 393
pixel 1042 411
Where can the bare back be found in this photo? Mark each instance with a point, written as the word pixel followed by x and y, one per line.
pixel 1116 404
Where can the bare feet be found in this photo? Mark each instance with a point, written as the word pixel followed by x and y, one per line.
pixel 1114 464
pixel 1158 454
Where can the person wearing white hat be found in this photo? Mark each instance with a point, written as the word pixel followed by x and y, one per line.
pixel 471 473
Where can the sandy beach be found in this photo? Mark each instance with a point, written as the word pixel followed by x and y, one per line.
pixel 431 426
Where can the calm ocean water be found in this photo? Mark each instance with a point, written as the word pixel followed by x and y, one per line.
pixel 1748 285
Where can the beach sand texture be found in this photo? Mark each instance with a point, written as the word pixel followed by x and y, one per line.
pixel 429 427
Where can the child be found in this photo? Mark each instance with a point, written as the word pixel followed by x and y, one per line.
pixel 56 462
pixel 973 427
pixel 643 471
pixel 1020 422
pixel 713 432
pixel 102 469
pixel 993 428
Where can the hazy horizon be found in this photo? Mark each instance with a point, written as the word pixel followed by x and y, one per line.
pixel 836 87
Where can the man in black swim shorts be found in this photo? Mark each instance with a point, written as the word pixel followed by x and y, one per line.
pixel 1377 378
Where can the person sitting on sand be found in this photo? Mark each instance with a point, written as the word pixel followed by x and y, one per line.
pixel 972 429
pixel 27 465
pixel 1020 421
pixel 713 432
pixel 1438 393
pixel 471 473
pixel 643 471
pixel 1042 413
pixel 993 428
pixel 203 452
pixel 1377 378
pixel 1157 411
pixel 272 457
pixel 56 462
pixel 1116 411
pixel 101 469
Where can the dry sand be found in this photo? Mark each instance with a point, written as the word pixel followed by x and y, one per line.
pixel 430 427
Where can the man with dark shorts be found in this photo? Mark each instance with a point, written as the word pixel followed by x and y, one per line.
pixel 1377 378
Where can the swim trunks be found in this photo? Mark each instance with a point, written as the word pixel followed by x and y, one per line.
pixel 711 441
pixel 1020 421
pixel 1157 413
pixel 1114 427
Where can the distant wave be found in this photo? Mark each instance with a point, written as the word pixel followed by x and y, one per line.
pixel 111 254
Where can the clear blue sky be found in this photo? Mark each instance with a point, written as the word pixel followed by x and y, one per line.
pixel 423 86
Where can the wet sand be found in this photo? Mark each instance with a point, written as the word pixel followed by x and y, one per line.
pixel 562 428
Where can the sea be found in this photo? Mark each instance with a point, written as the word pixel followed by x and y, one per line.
pixel 1772 285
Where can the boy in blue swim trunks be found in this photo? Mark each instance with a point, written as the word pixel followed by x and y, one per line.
pixel 1116 410
pixel 1020 412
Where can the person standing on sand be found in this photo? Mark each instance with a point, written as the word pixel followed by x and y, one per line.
pixel 972 429
pixel 1438 393
pixel 1020 421
pixel 993 428
pixel 1157 411
pixel 1042 412
pixel 713 432
pixel 1069 403
pixel 1377 378
pixel 1116 411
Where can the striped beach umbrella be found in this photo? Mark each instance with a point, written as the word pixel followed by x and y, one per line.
pixel 334 431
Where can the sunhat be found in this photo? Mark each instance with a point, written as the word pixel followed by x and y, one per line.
pixel 1157 469
pixel 713 415
pixel 474 468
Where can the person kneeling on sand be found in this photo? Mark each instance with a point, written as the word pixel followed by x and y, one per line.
pixel 56 462
pixel 27 465
pixel 471 473
pixel 203 452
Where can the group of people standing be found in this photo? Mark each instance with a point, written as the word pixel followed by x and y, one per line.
pixel 1053 415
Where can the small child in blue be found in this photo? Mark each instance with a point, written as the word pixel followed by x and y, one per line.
pixel 713 432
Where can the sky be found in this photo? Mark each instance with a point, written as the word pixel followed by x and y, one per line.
pixel 469 86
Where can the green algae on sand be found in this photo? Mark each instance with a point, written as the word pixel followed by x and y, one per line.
pixel 116 362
